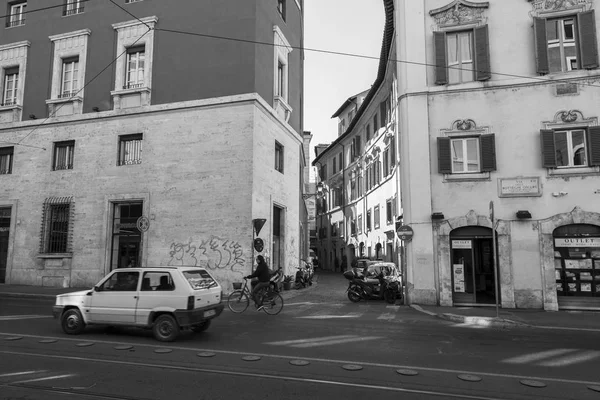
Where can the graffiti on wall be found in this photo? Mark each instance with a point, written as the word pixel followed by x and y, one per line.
pixel 214 253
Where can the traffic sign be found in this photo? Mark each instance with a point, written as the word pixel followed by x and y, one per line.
pixel 259 244
pixel 405 232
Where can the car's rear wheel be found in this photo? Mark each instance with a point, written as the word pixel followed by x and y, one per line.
pixel 72 322
pixel 166 328
pixel 201 327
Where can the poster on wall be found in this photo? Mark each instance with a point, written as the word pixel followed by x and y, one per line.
pixel 579 264
pixel 586 287
pixel 459 278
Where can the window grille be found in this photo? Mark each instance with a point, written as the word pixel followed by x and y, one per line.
pixel 130 149
pixel 56 233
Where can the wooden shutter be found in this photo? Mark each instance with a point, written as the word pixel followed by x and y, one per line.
pixel 588 44
pixel 441 70
pixel 444 155
pixel 594 144
pixel 548 148
pixel 487 146
pixel 541 45
pixel 482 54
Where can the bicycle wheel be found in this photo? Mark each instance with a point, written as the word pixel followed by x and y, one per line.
pixel 238 301
pixel 273 304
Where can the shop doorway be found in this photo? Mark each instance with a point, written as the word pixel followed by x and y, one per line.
pixel 577 266
pixel 126 237
pixel 473 280
pixel 4 234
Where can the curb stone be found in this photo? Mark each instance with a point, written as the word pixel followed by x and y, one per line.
pixel 481 321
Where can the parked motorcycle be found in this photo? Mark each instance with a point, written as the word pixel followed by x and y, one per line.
pixel 359 289
pixel 301 280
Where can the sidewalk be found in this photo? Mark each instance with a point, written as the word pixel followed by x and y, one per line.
pixel 486 316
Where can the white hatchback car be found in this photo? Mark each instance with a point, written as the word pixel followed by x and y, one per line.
pixel 164 299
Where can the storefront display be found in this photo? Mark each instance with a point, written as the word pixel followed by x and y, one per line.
pixel 577 263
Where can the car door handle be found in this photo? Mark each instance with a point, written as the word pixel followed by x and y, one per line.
pixel 135 297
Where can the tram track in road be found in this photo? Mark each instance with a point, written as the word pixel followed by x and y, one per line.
pixel 380 377
pixel 463 394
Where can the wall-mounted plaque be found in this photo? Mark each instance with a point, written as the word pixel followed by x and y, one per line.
pixel 519 187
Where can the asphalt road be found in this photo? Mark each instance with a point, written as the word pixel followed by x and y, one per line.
pixel 350 351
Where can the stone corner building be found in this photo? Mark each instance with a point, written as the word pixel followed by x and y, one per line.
pixel 163 157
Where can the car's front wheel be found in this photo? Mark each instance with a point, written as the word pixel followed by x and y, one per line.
pixel 166 328
pixel 72 322
pixel 201 327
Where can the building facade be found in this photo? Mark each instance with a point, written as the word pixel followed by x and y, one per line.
pixel 149 140
pixel 500 142
pixel 359 204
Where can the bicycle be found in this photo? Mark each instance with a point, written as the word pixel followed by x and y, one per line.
pixel 271 301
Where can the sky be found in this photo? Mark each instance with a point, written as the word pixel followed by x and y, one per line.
pixel 347 26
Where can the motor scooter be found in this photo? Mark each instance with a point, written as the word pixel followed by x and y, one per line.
pixel 301 280
pixel 359 289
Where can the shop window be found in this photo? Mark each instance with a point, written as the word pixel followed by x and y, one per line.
pixel 566 43
pixel 571 148
pixel 577 260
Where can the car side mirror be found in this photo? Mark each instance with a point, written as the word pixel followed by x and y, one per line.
pixel 97 289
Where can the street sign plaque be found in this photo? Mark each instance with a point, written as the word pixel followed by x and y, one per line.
pixel 405 232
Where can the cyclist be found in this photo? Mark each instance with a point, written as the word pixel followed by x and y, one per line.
pixel 263 275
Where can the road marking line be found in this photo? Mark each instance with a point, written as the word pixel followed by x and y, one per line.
pixel 20 373
pixel 337 341
pixel 323 316
pixel 387 316
pixel 528 358
pixel 571 359
pixel 47 378
pixel 270 376
pixel 14 317
pixel 284 357
pixel 298 341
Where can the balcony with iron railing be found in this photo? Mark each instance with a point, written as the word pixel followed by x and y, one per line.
pixel 72 11
pixel 8 103
pixel 16 22
pixel 132 85
pixel 67 94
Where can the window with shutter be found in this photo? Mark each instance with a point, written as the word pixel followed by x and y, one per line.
pixel 566 43
pixel 462 56
pixel 466 155
pixel 594 145
pixel 482 54
pixel 570 148
pixel 444 158
pixel 487 145
pixel 441 71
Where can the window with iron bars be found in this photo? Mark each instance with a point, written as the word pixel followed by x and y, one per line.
pixel 130 149
pixel 73 7
pixel 56 220
pixel 63 155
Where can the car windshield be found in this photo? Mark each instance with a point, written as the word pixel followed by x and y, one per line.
pixel 199 279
